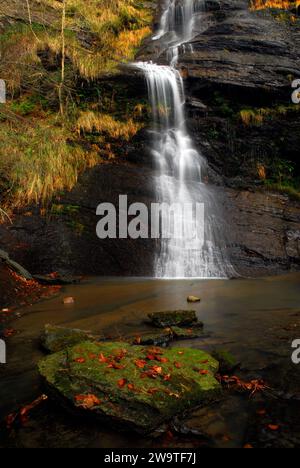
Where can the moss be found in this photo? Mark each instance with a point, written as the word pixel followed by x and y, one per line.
pixel 58 338
pixel 129 390
pixel 173 318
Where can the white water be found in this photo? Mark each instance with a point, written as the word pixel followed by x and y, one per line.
pixel 178 163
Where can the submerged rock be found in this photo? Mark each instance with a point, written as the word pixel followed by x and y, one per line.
pixel 131 386
pixel 57 338
pixel 188 333
pixel 173 318
pixel 228 362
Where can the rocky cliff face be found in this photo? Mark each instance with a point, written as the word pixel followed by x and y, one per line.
pixel 238 85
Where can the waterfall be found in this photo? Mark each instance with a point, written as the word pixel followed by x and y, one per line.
pixel 179 165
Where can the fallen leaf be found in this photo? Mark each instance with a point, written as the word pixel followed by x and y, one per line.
pixel 273 427
pixel 122 383
pixel 92 356
pixel 162 359
pixel 150 357
pixel 8 332
pixel 87 401
pixel 131 387
pixel 102 358
pixel 140 363
pixel 248 446
pixel 203 372
pixel 178 365
pixel 115 365
pixel 153 390
pixel 137 340
pixel 167 377
pixel 79 360
pixel 157 369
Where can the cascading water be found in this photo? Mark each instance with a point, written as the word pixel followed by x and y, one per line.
pixel 178 163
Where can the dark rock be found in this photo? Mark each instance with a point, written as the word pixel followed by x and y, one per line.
pixel 57 338
pixel 228 363
pixel 104 381
pixel 4 256
pixel 56 280
pixel 188 333
pixel 173 318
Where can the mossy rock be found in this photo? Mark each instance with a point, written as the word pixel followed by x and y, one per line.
pixel 174 318
pixel 57 338
pixel 228 363
pixel 180 333
pixel 133 387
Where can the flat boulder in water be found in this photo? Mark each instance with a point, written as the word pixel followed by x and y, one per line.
pixel 177 318
pixel 134 387
pixel 57 338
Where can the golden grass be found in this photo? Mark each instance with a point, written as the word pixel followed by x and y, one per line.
pixel 277 4
pixel 256 117
pixel 89 122
pixel 37 161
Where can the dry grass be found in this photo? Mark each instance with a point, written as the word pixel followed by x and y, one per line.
pixel 277 4
pixel 256 117
pixel 89 122
pixel 36 161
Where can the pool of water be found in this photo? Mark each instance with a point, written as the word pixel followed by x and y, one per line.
pixel 255 319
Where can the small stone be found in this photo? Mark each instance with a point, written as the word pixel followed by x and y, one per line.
pixel 69 300
pixel 193 299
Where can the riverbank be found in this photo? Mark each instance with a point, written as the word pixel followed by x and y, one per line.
pixel 255 320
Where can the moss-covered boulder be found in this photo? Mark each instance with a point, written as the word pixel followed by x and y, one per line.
pixel 57 338
pixel 176 318
pixel 131 386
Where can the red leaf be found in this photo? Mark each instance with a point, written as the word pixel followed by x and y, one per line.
pixel 162 359
pixel 167 377
pixel 130 387
pixel 204 362
pixel 102 358
pixel 178 365
pixel 273 427
pixel 79 360
pixel 140 363
pixel 87 401
pixel 122 383
pixel 114 365
pixel 92 356
pixel 152 391
pixel 203 372
pixel 150 357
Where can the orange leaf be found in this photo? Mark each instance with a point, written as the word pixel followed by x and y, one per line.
pixel 157 369
pixel 102 358
pixel 140 363
pixel 203 372
pixel 114 365
pixel 122 383
pixel 87 401
pixel 92 356
pixel 130 387
pixel 162 359
pixel 79 360
pixel 273 427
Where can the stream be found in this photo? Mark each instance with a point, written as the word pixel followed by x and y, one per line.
pixel 256 320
